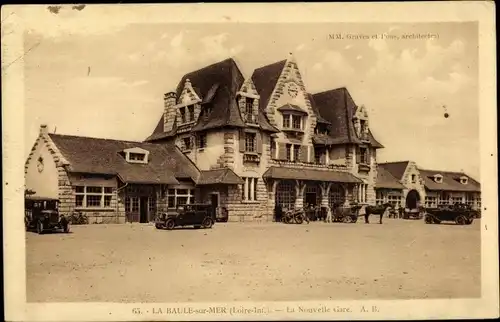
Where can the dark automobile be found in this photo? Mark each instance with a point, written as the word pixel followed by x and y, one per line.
pixel 461 214
pixel 197 215
pixel 42 214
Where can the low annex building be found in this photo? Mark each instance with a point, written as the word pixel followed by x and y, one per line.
pixel 405 185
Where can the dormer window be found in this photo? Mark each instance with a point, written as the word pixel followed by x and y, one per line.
pixel 438 178
pixel 464 180
pixel 136 155
pixel 249 114
pixel 183 114
pixel 187 143
pixel 292 121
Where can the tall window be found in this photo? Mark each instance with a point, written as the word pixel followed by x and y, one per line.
pixel 273 148
pixel 187 143
pixel 191 112
pixel 443 198
pixel 183 114
pixel 249 192
pixel 379 197
pixel 296 151
pixel 202 141
pixel 469 199
pixel 250 142
pixel 337 195
pixel 296 122
pixel 249 110
pixel 363 155
pixel 176 197
pixel 93 196
pixel 289 152
pixel 286 121
pixel 413 178
pixel 132 204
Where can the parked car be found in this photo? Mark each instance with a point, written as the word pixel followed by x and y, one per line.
pixel 197 215
pixel 42 214
pixel 461 214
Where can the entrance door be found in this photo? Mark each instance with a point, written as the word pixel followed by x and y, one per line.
pixel 214 200
pixel 143 210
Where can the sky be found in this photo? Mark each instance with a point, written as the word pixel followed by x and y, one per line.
pixel 109 82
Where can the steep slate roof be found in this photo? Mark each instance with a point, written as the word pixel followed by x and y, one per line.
pixel 396 169
pixel 219 176
pixel 101 156
pixel 217 85
pixel 310 174
pixel 338 107
pixel 386 180
pixel 319 118
pixel 265 79
pixel 450 181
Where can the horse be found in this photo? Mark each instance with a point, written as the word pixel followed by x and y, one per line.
pixel 376 210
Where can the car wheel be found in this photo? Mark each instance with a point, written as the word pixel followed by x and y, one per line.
pixel 207 223
pixel 170 224
pixel 461 220
pixel 347 219
pixel 158 226
pixel 39 227
pixel 299 220
pixel 469 221
pixel 428 220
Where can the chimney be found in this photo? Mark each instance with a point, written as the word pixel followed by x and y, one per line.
pixel 169 101
pixel 43 129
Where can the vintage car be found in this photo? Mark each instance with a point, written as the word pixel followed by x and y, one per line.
pixel 42 214
pixel 197 215
pixel 461 214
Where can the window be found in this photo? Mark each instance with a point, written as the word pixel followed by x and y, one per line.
pixel 296 151
pixel 443 199
pixel 430 202
pixel 296 122
pixel 317 155
pixel 191 113
pixel 379 197
pixel 286 121
pixel 249 110
pixel 438 178
pixel 136 156
pixel 135 204
pixel 394 200
pixel 274 149
pixel 202 141
pixel 337 195
pixel 249 189
pixel 183 114
pixel 176 197
pixel 250 142
pixel 152 205
pixel 363 127
pixel 469 199
pixel 363 155
pixel 93 196
pixel 413 178
pixel 289 152
pixel 455 200
pixel 187 143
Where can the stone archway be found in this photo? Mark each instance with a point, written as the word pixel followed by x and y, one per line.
pixel 312 194
pixel 412 199
pixel 285 194
pixel 337 195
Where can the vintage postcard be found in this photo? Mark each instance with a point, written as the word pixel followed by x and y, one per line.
pixel 333 161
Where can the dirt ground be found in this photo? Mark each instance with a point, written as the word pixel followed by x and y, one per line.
pixel 401 259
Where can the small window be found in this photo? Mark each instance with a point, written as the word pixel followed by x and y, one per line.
pixel 413 178
pixel 136 157
pixel 249 110
pixel 363 156
pixel 296 122
pixel 202 141
pixel 286 121
pixel 107 201
pixel 250 142
pixel 289 152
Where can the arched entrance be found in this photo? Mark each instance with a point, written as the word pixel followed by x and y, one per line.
pixel 412 199
pixel 285 195
pixel 337 195
pixel 312 195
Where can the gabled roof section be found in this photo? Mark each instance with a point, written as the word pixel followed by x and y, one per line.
pixel 319 118
pixel 219 176
pixel 396 169
pixel 451 181
pixel 217 85
pixel 265 79
pixel 292 108
pixel 386 180
pixel 166 162
pixel 337 107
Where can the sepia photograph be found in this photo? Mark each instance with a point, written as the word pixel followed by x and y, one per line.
pixel 194 169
